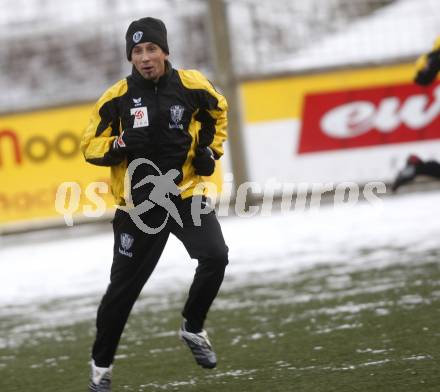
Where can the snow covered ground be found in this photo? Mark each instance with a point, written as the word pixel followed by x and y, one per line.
pixel 75 262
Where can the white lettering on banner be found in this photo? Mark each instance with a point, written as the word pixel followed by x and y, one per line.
pixel 359 117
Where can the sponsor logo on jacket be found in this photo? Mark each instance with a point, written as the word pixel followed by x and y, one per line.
pixel 140 116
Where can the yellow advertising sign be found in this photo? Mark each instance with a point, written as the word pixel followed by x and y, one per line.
pixel 283 97
pixel 38 151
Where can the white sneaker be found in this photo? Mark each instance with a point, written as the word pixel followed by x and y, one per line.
pixel 100 378
pixel 200 347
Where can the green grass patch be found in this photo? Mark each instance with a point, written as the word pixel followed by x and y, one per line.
pixel 330 328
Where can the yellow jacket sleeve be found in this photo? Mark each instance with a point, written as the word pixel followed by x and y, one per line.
pixel 212 111
pixel 219 114
pixel 103 128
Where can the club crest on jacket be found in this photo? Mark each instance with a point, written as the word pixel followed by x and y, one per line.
pixel 126 243
pixel 176 112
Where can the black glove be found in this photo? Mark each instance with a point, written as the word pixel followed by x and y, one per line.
pixel 131 139
pixel 428 74
pixel 204 161
pixel 408 173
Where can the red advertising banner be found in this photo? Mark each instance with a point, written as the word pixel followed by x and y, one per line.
pixel 370 117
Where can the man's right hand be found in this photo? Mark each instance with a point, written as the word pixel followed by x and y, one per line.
pixel 132 139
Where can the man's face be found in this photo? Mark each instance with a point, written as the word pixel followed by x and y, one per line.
pixel 149 60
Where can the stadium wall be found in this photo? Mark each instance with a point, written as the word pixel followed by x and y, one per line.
pixel 353 125
pixel 348 125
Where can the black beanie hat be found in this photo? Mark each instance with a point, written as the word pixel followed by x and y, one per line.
pixel 146 30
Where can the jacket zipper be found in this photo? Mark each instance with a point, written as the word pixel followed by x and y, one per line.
pixel 156 93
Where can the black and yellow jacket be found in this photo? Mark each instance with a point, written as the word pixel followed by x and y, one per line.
pixel 182 111
pixel 428 65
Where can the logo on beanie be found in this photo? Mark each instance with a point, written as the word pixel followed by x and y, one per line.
pixel 137 36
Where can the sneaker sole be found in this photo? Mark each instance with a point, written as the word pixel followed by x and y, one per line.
pixel 200 361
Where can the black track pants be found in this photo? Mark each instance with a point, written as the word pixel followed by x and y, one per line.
pixel 135 256
pixel 429 168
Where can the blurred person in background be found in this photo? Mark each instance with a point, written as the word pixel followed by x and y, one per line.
pixel 176 120
pixel 427 68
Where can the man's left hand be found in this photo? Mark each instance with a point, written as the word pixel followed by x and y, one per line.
pixel 408 173
pixel 204 162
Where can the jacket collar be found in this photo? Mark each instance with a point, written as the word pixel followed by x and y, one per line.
pixel 140 80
